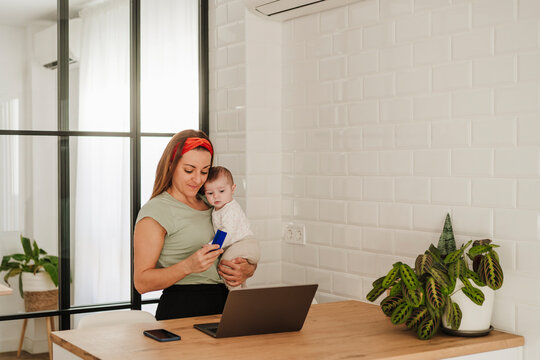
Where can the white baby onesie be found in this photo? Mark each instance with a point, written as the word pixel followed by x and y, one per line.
pixel 231 219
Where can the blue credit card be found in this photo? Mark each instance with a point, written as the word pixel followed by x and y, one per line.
pixel 219 238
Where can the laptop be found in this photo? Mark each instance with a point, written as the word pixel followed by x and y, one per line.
pixel 262 311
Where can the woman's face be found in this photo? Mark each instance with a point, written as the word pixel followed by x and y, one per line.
pixel 191 172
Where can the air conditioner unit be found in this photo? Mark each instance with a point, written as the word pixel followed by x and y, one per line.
pixel 45 50
pixel 282 10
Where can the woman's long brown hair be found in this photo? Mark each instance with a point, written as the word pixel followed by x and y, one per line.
pixel 167 166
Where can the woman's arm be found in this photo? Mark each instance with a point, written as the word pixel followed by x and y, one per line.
pixel 149 237
pixel 236 271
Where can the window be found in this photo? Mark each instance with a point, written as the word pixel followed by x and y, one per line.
pixel 80 137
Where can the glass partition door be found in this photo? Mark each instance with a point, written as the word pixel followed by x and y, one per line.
pixel 80 137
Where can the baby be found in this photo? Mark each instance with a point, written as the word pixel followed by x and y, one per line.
pixel 228 216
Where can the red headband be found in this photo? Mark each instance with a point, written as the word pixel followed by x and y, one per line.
pixel 192 143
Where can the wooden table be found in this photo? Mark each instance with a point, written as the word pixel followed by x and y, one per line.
pixel 340 330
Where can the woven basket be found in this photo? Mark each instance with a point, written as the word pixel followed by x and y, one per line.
pixel 40 300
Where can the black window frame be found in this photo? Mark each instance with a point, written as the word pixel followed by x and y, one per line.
pixel 65 310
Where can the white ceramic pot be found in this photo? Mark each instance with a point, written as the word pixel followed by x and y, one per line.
pixel 475 317
pixel 40 281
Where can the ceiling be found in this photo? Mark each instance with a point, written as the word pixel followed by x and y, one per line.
pixel 26 12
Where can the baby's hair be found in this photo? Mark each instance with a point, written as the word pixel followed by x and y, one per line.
pixel 217 171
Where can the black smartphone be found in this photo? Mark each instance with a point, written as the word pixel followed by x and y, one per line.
pixel 161 335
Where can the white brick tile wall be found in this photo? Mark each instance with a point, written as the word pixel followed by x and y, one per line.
pixel 432 51
pixel 378 189
pixel 363 63
pixel 528 128
pixel 433 104
pixel 393 8
pixel 494 132
pixel 378 137
pixel 472 162
pixel 396 110
pixel 378 240
pixel 449 134
pixel 332 68
pixel 452 76
pixel 363 112
pixel 334 163
pixel 429 218
pixel 528 196
pixel 431 107
pixel 432 163
pixel 397 57
pixel 321 277
pixel 333 115
pixel 415 136
pixel 348 42
pixel 413 81
pixel 515 288
pixel 318 233
pixel 332 211
pixel 363 12
pixel 520 98
pixel 378 35
pixel 529 67
pixel 526 261
pixel 519 225
pixel 307 209
pixel 306 255
pixel 451 20
pixel 363 163
pixel 347 187
pixel 494 70
pixel 472 221
pixel 497 193
pixel 317 186
pixel 429 4
pixel 413 27
pixel 346 236
pixel 517 162
pixel 293 274
pixel 378 85
pixel 396 162
pixel 395 215
pixel 412 189
pixel 413 243
pixel 452 191
pixel 528 9
pixel 516 36
pixel 319 48
pixel 362 213
pixel 333 20
pixel 333 259
pixel 473 102
pixel 484 13
pixel 347 285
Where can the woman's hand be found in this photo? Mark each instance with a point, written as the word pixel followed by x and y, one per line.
pixel 202 259
pixel 236 271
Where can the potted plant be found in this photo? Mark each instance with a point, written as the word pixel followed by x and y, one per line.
pixel 38 275
pixel 427 296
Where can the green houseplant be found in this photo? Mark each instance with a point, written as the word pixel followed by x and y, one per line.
pixel 34 260
pixel 421 297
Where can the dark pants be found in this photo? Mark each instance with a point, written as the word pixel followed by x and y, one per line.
pixel 180 301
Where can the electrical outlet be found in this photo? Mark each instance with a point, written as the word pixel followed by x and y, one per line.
pixel 294 233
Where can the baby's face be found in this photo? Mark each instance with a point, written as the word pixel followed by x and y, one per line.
pixel 219 192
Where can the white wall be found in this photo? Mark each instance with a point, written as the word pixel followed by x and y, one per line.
pixel 395 112
pixel 245 98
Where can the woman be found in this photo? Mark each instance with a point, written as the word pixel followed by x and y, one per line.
pixel 172 233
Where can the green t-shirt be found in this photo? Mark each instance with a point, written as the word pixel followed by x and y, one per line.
pixel 187 230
